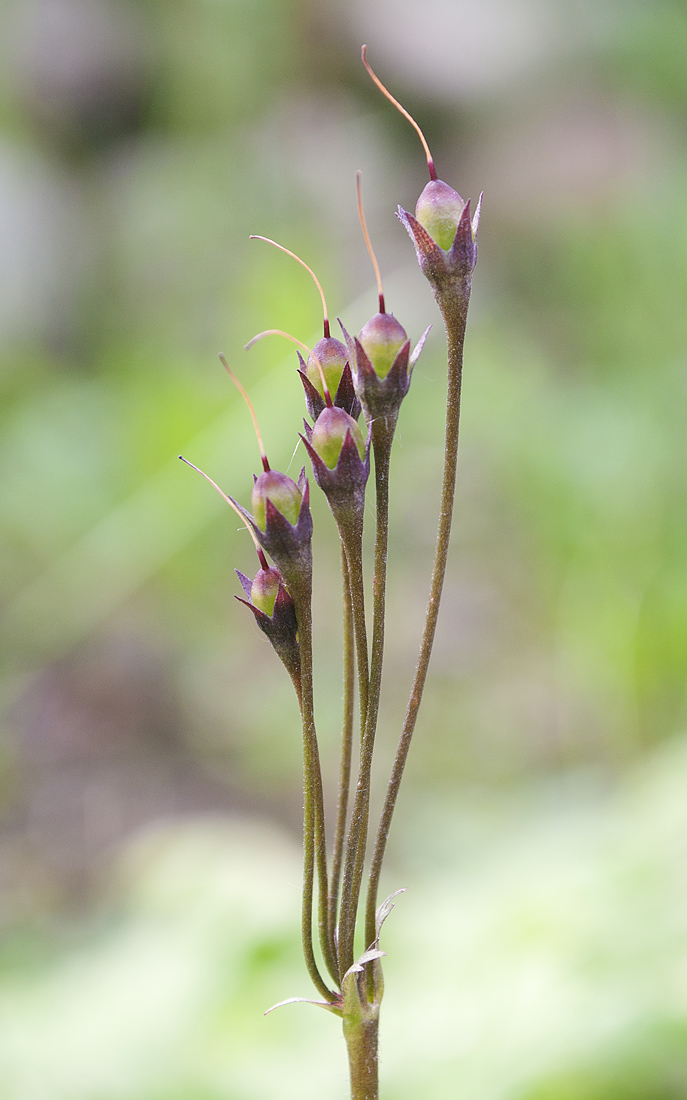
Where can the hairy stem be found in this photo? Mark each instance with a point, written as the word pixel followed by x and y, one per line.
pixel 353 546
pixel 346 745
pixel 361 1044
pixel 382 439
pixel 347 914
pixel 314 839
pixel 454 312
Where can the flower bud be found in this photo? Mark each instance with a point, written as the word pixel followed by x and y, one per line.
pixel 446 251
pixel 281 491
pixel 282 525
pixel 382 338
pixel 264 589
pixel 381 394
pixel 271 603
pixel 333 356
pixel 329 433
pixel 438 210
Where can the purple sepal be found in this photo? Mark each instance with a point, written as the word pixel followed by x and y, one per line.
pixel 349 341
pixel 475 220
pixel 246 583
pixel 345 398
pixel 417 350
pixel 430 257
pixel 462 255
pixel 313 398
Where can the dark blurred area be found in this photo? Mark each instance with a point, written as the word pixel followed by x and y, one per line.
pixel 141 142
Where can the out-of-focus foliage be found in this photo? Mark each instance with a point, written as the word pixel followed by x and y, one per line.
pixel 141 143
pixel 540 953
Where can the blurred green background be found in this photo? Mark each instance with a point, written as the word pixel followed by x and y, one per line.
pixel 149 837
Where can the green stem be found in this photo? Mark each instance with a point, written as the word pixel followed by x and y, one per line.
pixel 314 839
pixel 382 439
pixel 454 312
pixel 361 1043
pixel 346 745
pixel 353 546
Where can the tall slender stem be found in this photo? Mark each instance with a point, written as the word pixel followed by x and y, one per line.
pixel 454 313
pixel 382 439
pixel 314 840
pixel 346 745
pixel 353 546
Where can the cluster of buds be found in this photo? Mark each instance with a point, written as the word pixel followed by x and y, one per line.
pixel 370 372
pixel 369 375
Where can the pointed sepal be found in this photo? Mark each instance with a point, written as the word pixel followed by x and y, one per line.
pixel 345 397
pixel 330 1006
pixel 431 258
pixel 417 350
pixel 246 583
pixel 462 255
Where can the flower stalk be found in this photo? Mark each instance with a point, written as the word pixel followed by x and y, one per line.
pixel 370 374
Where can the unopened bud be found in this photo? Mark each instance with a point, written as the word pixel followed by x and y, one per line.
pixel 382 338
pixel 333 356
pixel 264 589
pixel 438 210
pixel 329 433
pixel 281 491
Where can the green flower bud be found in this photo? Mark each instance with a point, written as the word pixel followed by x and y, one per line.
pixel 438 211
pixel 382 338
pixel 264 589
pixel 333 356
pixel 281 491
pixel 329 433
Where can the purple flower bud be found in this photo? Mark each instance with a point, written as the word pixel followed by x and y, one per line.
pixel 333 356
pixel 283 493
pixel 341 464
pixel 381 395
pixel 449 270
pixel 282 524
pixel 269 600
pixel 382 338
pixel 264 589
pixel 438 210
pixel 329 433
